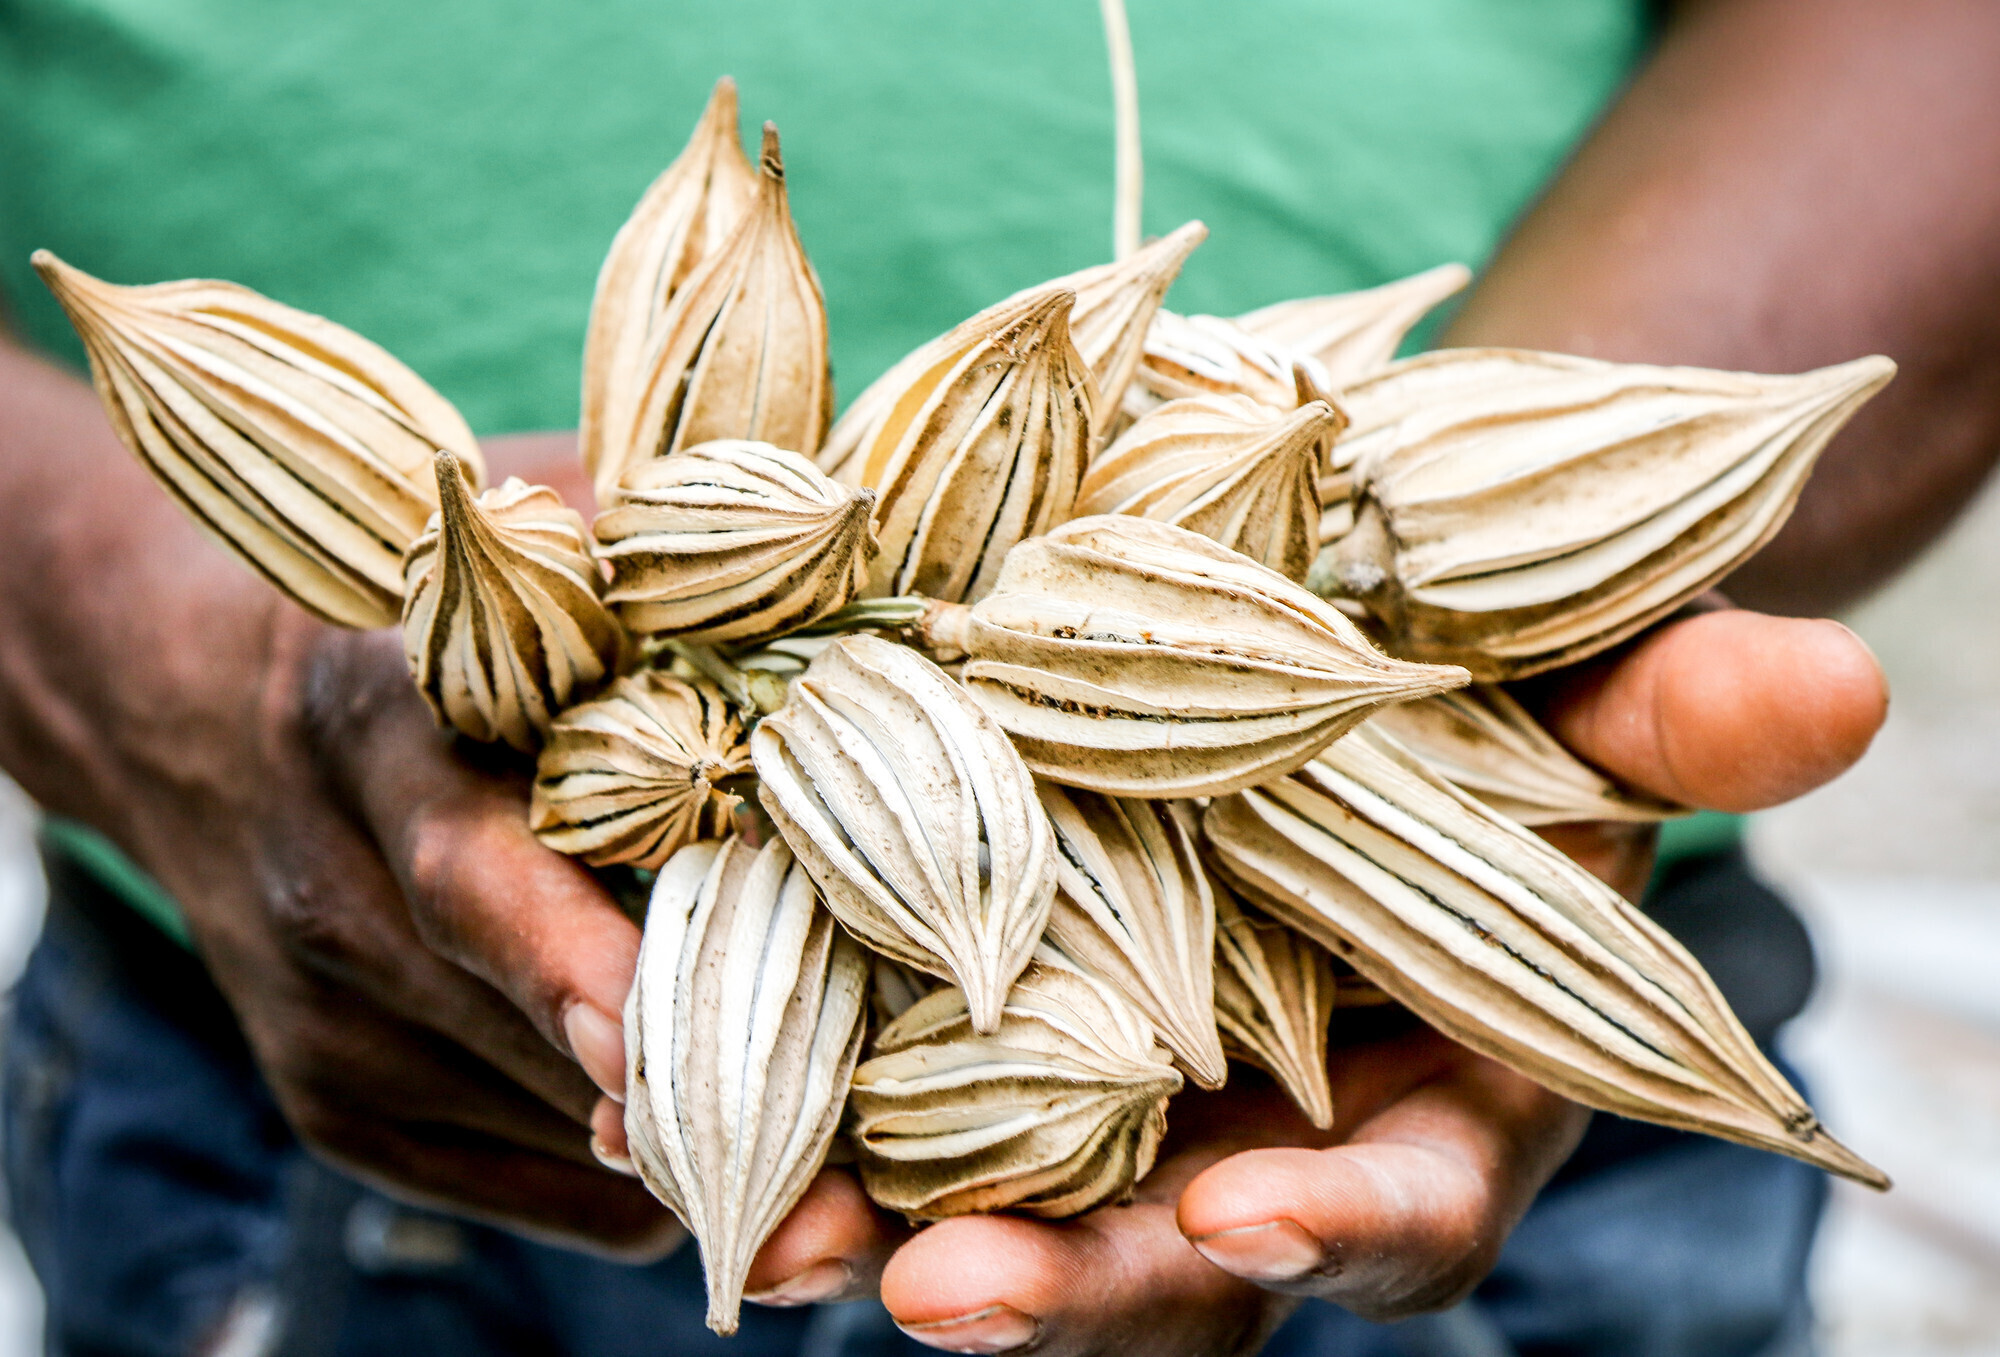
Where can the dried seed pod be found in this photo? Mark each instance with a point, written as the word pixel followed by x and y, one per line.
pixel 1507 947
pixel 1355 334
pixel 1059 1110
pixel 301 446
pixel 683 217
pixel 1275 994
pixel 733 540
pixel 1484 742
pixel 742 1029
pixel 1133 908
pixel 1140 659
pixel 637 774
pixel 742 348
pixel 502 626
pixel 1227 468
pixel 982 449
pixel 915 815
pixel 1209 356
pixel 1518 511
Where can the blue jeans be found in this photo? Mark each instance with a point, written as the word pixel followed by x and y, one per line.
pixel 164 1203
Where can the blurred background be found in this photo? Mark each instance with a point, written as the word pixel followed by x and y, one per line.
pixel 1897 869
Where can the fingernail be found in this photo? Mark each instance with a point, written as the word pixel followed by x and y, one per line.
pixel 822 1281
pixel 1276 1251
pixel 613 1160
pixel 997 1328
pixel 598 1044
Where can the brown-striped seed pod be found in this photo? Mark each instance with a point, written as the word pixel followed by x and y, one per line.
pixel 1210 356
pixel 638 773
pixel 1507 947
pixel 502 624
pixel 301 446
pixel 1354 335
pixel 1275 993
pixel 742 1029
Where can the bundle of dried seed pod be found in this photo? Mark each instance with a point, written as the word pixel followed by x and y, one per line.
pixel 743 1026
pixel 1275 994
pixel 1058 1110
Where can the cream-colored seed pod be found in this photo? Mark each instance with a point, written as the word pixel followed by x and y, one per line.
pixel 637 774
pixel 1140 659
pixel 301 446
pixel 502 625
pixel 683 217
pixel 983 448
pixel 1227 468
pixel 1518 511
pixel 733 540
pixel 1133 908
pixel 1059 1110
pixel 1210 356
pixel 1484 742
pixel 1507 947
pixel 742 349
pixel 1354 335
pixel 1275 994
pixel 742 1029
pixel 915 815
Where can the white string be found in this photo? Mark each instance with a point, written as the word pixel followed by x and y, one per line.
pixel 1131 184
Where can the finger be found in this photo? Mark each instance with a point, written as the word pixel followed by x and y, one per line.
pixel 1409 1214
pixel 1730 710
pixel 833 1246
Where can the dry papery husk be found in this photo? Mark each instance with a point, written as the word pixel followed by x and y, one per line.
pixel 1133 908
pixel 742 1030
pixel 741 351
pixel 1353 335
pixel 1275 992
pixel 911 809
pixel 1518 511
pixel 502 625
pixel 301 446
pixel 1227 468
pixel 733 540
pixel 1140 659
pixel 1059 1110
pixel 1210 356
pixel 684 216
pixel 1483 741
pixel 1108 321
pixel 1507 947
pixel 895 988
pixel 639 773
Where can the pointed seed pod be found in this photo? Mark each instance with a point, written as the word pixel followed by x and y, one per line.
pixel 1518 511
pixel 742 1029
pixel 502 626
pixel 684 216
pixel 1227 468
pixel 1209 356
pixel 915 815
pixel 1508 947
pixel 1140 659
pixel 1133 908
pixel 1354 335
pixel 301 446
pixel 733 540
pixel 1059 1110
pixel 637 774
pixel 1274 999
pixel 742 349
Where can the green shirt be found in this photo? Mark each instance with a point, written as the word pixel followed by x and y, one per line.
pixel 445 175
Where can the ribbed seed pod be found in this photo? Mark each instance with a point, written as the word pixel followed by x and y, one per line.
pixel 1059 1110
pixel 502 626
pixel 1227 468
pixel 1140 659
pixel 301 446
pixel 1274 1001
pixel 1355 334
pixel 733 540
pixel 1518 511
pixel 1507 947
pixel 742 349
pixel 1209 356
pixel 913 812
pixel 1484 742
pixel 637 774
pixel 1133 908
pixel 982 449
pixel 683 217
pixel 742 1029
